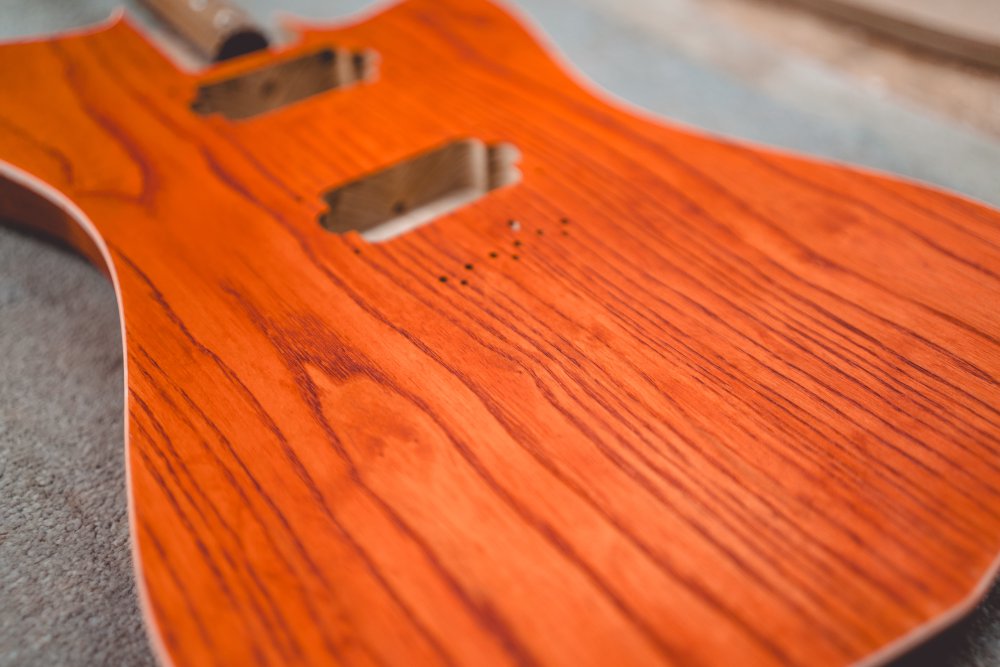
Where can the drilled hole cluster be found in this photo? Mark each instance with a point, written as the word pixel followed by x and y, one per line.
pixel 516 249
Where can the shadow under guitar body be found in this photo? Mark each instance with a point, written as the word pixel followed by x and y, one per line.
pixel 660 399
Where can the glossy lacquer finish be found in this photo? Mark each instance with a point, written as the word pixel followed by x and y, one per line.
pixel 704 405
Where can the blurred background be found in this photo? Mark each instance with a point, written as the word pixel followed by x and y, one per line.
pixel 910 87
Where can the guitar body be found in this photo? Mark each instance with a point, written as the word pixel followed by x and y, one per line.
pixel 664 400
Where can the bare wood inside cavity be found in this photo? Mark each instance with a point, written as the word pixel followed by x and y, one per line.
pixel 413 192
pixel 280 83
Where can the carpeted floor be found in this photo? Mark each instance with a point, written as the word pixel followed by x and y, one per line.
pixel 66 590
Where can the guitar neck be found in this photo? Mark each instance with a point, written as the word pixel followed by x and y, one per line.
pixel 216 29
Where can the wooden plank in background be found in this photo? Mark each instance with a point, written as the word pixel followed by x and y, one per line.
pixel 969 29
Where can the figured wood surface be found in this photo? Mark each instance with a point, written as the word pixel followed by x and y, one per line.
pixel 703 405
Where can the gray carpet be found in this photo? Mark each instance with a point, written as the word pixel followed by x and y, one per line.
pixel 66 590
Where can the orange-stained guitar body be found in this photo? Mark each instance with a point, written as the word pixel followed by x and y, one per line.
pixel 704 405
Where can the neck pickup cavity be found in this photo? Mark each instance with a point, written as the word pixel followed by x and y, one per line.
pixel 278 84
pixel 415 191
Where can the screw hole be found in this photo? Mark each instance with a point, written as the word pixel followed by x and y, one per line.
pixel 443 279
